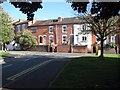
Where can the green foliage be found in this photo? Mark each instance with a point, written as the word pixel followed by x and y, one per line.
pixel 4 53
pixel 6 27
pixel 26 39
pixel 112 44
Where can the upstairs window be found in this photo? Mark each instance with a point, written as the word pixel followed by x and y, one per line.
pixel 64 39
pixel 50 29
pixel 23 27
pixel 18 28
pixel 64 28
pixel 33 30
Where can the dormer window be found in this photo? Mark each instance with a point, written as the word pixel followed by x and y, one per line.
pixel 64 29
pixel 50 29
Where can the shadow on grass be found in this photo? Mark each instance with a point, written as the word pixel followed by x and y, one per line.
pixel 90 72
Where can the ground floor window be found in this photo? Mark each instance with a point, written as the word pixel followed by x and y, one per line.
pixel 41 39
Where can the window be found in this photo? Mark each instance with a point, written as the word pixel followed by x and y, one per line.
pixel 18 27
pixel 64 39
pixel 23 26
pixel 84 27
pixel 64 28
pixel 51 39
pixel 41 39
pixel 84 38
pixel 44 38
pixel 50 29
pixel 33 30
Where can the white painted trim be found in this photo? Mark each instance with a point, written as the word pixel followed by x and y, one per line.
pixel 62 38
pixel 66 28
pixel 52 29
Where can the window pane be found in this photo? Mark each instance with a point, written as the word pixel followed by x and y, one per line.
pixel 41 39
pixel 64 28
pixel 18 27
pixel 33 30
pixel 50 29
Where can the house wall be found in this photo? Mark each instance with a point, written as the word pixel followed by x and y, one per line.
pixel 16 28
pixel 72 49
pixel 79 34
pixel 57 33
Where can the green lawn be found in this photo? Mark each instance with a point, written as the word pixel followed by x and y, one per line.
pixel 4 53
pixel 90 72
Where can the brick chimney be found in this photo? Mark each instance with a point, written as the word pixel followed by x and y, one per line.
pixel 60 19
pixel 31 22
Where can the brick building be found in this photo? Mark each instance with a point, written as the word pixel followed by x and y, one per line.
pixel 68 34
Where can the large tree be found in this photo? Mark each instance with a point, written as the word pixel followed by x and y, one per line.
pixel 27 6
pixel 26 39
pixel 6 27
pixel 100 23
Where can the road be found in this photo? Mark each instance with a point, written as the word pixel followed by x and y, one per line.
pixel 33 71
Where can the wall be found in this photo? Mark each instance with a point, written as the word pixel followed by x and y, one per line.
pixel 57 33
pixel 40 48
pixel 74 49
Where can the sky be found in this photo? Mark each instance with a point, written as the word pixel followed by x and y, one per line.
pixel 50 10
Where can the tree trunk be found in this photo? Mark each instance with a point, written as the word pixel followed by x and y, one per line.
pixel 119 43
pixel 102 51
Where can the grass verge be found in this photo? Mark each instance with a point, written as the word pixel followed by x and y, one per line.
pixel 90 72
pixel 4 53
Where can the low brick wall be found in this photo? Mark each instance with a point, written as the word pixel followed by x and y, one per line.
pixel 63 48
pixel 40 48
pixel 60 48
pixel 74 49
pixel 80 49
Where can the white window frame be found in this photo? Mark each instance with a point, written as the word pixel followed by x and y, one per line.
pixel 44 42
pixel 84 40
pixel 63 28
pixel 18 28
pixel 63 42
pixel 50 29
pixel 52 37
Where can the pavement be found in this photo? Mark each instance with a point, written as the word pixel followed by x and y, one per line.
pixel 20 54
pixel 28 53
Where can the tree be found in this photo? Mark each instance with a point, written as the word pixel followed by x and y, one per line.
pixel 100 23
pixel 27 7
pixel 6 27
pixel 26 39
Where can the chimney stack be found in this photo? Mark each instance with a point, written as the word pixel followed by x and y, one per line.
pixel 60 19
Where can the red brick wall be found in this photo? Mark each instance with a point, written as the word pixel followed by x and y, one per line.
pixel 80 49
pixel 60 33
pixel 75 49
pixel 44 30
pixel 41 31
pixel 63 48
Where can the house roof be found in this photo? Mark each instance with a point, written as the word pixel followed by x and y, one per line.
pixel 20 22
pixel 73 20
